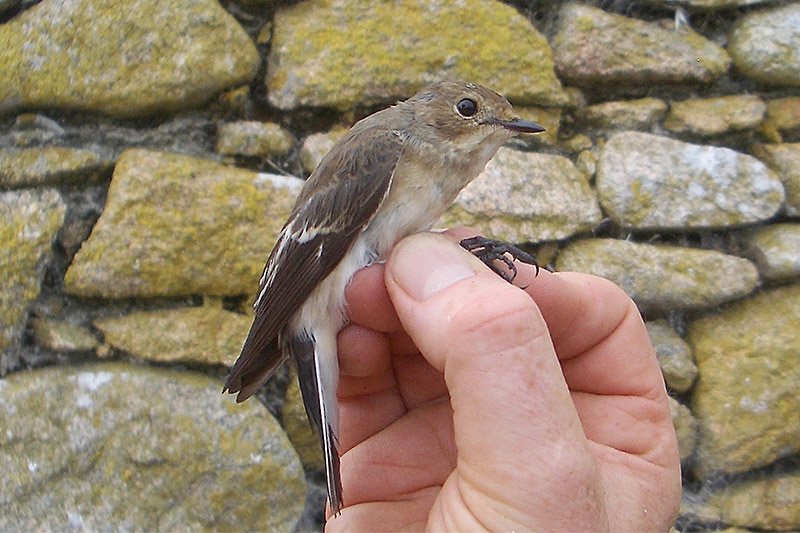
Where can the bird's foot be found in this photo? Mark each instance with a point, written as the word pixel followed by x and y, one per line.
pixel 490 250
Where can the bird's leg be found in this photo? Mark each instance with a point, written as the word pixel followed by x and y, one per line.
pixel 490 250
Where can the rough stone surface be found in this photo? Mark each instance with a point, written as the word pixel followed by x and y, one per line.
pixel 784 113
pixel 695 509
pixel 685 428
pixel 315 147
pixel 295 421
pixel 190 226
pixel 710 4
pixel 776 250
pixel 768 503
pixel 663 277
pixel 547 117
pixel 522 197
pixel 62 336
pixel 35 129
pixel 150 56
pixel 29 221
pixel 713 116
pixel 340 53
pixel 51 165
pixel 765 45
pixel 577 143
pixel 746 396
pixel 207 334
pixel 252 138
pixel 587 162
pixel 785 160
pixel 783 118
pixel 122 447
pixel 647 181
pixel 591 46
pixel 674 356
pixel 626 114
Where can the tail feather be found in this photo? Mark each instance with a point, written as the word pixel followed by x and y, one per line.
pixel 249 373
pixel 319 397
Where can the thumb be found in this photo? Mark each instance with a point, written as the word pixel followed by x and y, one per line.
pixel 514 419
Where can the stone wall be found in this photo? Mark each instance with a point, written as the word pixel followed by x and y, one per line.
pixel 149 155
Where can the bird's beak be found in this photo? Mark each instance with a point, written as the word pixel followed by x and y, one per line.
pixel 521 126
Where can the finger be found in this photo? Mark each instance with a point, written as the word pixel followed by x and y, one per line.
pixel 375 389
pixel 609 363
pixel 369 398
pixel 598 334
pixel 492 344
pixel 363 352
pixel 414 453
pixel 582 312
pixel 368 302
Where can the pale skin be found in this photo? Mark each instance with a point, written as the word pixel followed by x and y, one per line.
pixel 470 404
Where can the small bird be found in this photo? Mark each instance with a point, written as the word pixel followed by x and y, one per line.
pixel 393 174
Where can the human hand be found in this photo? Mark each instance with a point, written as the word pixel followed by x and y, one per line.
pixel 469 404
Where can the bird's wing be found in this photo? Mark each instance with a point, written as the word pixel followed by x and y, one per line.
pixel 344 192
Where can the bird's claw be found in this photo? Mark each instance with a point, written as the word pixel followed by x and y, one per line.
pixel 490 250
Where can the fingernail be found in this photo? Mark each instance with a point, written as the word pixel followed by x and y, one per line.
pixel 425 264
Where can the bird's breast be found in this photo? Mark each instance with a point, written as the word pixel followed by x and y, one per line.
pixel 418 196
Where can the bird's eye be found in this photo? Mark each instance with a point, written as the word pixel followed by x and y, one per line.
pixel 467 107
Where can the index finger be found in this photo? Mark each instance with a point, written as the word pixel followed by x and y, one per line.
pixel 596 329
pixel 598 334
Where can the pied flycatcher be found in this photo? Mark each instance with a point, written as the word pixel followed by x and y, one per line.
pixel 393 174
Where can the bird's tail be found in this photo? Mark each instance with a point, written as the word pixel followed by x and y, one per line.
pixel 259 360
pixel 317 371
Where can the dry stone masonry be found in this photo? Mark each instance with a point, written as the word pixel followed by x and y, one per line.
pixel 149 155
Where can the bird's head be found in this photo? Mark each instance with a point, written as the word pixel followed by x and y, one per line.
pixel 466 116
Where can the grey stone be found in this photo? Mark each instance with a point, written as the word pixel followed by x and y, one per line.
pixel 775 250
pixel 783 116
pixel 587 162
pixel 34 129
pixel 147 57
pixel 695 509
pixel 710 4
pixel 315 147
pixel 663 277
pixel 205 335
pixel 674 356
pixel 785 160
pixel 347 53
pixel 746 397
pixel 685 429
pixel 765 45
pixel 122 447
pixel 714 116
pixel 626 114
pixel 175 225
pixel 51 165
pixel 295 421
pixel 253 138
pixel 591 46
pixel 770 502
pixel 547 117
pixel 577 143
pixel 29 221
pixel 62 336
pixel 526 197
pixel 647 181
